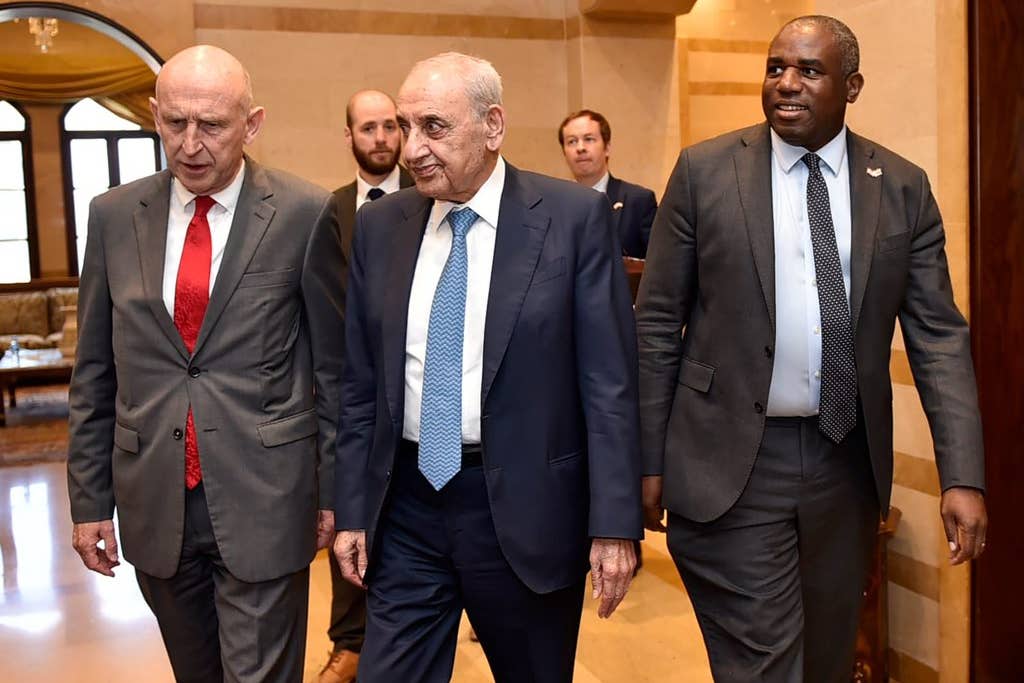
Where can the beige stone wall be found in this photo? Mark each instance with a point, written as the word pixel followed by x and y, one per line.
pixel 305 79
pixel 628 72
pixel 307 58
pixel 722 46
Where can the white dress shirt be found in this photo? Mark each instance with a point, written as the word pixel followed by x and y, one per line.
pixel 796 375
pixel 179 215
pixel 389 185
pixel 434 250
pixel 602 184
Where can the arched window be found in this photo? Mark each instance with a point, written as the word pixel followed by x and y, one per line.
pixel 19 259
pixel 101 151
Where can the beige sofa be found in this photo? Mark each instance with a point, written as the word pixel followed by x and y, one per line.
pixel 34 316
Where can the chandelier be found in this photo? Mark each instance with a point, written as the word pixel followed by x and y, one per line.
pixel 43 29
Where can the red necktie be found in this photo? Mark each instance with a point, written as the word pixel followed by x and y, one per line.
pixel 191 295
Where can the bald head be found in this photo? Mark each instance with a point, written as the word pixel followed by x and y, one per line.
pixel 367 99
pixel 204 114
pixel 207 66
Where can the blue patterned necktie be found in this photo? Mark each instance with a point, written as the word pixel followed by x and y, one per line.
pixel 440 456
pixel 837 406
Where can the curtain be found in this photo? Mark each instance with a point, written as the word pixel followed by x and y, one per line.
pixel 124 90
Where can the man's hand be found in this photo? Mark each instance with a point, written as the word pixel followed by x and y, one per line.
pixel 86 538
pixel 324 529
pixel 612 561
pixel 966 522
pixel 653 511
pixel 350 551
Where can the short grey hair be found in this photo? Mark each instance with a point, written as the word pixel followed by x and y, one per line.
pixel 481 80
pixel 247 99
pixel 846 41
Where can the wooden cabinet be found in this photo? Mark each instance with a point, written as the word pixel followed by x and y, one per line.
pixel 872 659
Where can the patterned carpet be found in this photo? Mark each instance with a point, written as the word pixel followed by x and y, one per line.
pixel 37 429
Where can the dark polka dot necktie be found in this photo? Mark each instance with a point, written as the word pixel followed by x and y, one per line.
pixel 374 194
pixel 837 407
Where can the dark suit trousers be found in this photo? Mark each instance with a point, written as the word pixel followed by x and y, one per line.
pixel 348 611
pixel 777 581
pixel 217 628
pixel 437 553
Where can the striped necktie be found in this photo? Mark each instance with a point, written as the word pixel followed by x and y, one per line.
pixel 440 450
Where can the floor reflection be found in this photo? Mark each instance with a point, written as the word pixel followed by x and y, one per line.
pixel 32 547
pixel 59 621
pixel 32 623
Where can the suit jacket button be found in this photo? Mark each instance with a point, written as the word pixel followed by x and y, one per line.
pixel 758 408
pixel 177 434
pixel 194 372
pixel 768 351
pixel 387 475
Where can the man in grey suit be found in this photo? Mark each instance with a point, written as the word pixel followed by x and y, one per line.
pixel 766 402
pixel 372 133
pixel 205 386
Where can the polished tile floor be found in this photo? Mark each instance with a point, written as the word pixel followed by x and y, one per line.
pixel 60 622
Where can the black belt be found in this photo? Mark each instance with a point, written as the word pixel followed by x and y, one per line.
pixel 472 453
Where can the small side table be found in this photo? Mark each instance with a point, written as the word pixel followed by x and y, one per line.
pixel 634 271
pixel 38 365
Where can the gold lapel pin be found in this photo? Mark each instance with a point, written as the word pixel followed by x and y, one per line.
pixel 875 172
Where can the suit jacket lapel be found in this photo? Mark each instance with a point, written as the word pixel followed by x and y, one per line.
pixel 614 195
pixel 405 249
pixel 346 198
pixel 404 179
pixel 252 216
pixel 522 227
pixel 753 174
pixel 865 203
pixel 150 220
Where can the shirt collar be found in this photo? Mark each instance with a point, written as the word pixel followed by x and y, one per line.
pixel 389 184
pixel 789 155
pixel 486 203
pixel 226 198
pixel 602 184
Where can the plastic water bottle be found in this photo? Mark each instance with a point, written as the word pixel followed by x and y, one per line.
pixel 16 350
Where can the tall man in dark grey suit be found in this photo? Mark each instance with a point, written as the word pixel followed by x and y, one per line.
pixel 586 140
pixel 780 259
pixel 488 400
pixel 205 387
pixel 371 132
